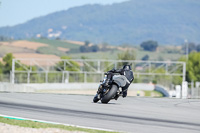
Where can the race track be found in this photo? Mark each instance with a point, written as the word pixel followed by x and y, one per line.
pixel 131 114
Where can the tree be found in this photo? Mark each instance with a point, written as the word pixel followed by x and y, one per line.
pixel 198 48
pixel 146 57
pixel 192 67
pixel 149 45
pixel 94 48
pixel 84 49
pixel 87 43
pixel 8 63
pixel 70 65
pixel 127 55
pixel 165 80
pixel 3 38
pixel 1 68
pixel 87 48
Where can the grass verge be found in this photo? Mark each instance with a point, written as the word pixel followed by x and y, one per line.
pixel 153 94
pixel 33 124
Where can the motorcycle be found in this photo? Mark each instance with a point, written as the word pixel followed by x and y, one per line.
pixel 113 91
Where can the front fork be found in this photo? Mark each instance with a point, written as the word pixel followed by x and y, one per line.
pixel 102 90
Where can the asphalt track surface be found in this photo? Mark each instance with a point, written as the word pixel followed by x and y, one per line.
pixel 131 114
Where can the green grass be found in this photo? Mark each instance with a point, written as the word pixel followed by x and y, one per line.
pixel 97 55
pixel 32 124
pixel 153 94
pixel 158 55
pixel 56 43
pixel 139 54
pixel 75 53
pixel 50 50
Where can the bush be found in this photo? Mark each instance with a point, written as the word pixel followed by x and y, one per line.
pixel 149 45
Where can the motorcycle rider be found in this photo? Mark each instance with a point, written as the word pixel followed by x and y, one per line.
pixel 127 72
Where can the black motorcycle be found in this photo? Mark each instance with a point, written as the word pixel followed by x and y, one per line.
pixel 113 91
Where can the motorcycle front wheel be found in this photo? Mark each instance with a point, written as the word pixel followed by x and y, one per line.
pixel 95 99
pixel 110 94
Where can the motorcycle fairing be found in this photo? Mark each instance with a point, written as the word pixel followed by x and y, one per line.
pixel 120 80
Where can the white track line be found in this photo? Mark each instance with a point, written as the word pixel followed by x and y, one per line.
pixel 50 122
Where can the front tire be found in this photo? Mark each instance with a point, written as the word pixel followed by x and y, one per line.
pixel 95 99
pixel 110 94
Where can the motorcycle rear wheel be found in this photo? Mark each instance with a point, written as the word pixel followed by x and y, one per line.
pixel 110 94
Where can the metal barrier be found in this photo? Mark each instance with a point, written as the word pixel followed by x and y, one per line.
pixel 41 70
pixel 58 77
pixel 194 92
pixel 4 77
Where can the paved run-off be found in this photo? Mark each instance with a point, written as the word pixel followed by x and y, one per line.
pixel 131 114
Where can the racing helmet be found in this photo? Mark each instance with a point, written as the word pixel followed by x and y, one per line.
pixel 127 67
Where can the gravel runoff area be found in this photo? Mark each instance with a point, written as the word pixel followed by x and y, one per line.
pixel 5 128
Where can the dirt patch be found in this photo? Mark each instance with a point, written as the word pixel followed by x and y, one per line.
pixel 25 44
pixel 37 59
pixel 63 49
pixel 75 42
pixel 34 55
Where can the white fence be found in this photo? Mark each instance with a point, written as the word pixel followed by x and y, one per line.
pixel 5 78
pixel 92 71
pixel 58 77
pixel 8 87
pixel 194 91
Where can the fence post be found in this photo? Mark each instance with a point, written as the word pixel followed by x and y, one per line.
pixel 85 77
pixel 68 76
pixel 166 68
pixel 197 85
pixel 115 65
pixel 192 89
pixel 10 77
pixel 102 75
pixel 99 65
pixel 63 76
pixel 28 77
pixel 46 76
pixel 184 90
pixel 64 65
pixel 184 71
pixel 149 67
pixel 13 72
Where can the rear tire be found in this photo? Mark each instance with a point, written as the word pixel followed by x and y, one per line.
pixel 110 94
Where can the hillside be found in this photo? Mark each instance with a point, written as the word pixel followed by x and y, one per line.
pixel 131 22
pixel 39 46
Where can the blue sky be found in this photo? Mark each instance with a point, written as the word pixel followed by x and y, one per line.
pixel 14 12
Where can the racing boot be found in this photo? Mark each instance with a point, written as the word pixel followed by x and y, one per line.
pixel 124 94
pixel 118 95
pixel 124 90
